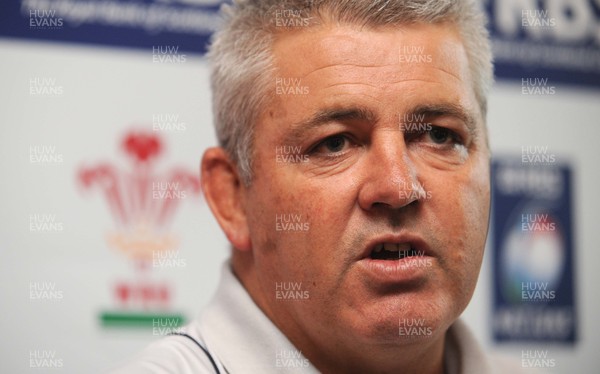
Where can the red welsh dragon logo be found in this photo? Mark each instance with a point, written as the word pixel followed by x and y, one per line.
pixel 142 203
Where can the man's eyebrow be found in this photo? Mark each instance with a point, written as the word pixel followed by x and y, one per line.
pixel 322 117
pixel 446 109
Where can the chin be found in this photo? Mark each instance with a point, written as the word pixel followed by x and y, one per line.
pixel 390 332
pixel 402 320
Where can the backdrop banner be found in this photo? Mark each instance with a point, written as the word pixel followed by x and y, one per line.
pixel 538 43
pixel 179 25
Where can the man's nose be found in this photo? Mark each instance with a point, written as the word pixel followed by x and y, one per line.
pixel 391 177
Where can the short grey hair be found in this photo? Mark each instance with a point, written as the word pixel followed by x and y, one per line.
pixel 242 61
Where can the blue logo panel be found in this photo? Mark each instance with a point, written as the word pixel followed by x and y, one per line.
pixel 554 40
pixel 532 252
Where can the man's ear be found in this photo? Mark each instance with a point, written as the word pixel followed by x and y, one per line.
pixel 224 192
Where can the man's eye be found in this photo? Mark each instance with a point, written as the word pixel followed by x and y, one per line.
pixel 439 135
pixel 333 144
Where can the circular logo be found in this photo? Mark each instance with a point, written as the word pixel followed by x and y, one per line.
pixel 532 258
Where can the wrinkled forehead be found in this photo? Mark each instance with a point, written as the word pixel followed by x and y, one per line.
pixel 407 49
pixel 416 61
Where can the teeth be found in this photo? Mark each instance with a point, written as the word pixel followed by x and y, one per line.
pixel 393 247
pixel 402 248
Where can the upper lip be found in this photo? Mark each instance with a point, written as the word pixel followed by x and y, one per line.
pixel 415 241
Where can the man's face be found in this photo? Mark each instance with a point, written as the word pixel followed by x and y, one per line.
pixel 373 148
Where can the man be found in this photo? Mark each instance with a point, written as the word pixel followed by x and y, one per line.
pixel 352 181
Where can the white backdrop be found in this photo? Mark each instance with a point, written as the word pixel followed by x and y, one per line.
pixel 105 92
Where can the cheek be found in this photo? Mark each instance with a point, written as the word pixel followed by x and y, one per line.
pixel 475 202
pixel 462 212
pixel 290 218
pixel 330 202
pixel 323 207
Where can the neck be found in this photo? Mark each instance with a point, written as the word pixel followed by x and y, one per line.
pixel 341 354
pixel 342 357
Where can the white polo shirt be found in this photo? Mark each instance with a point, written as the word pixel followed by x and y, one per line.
pixel 242 340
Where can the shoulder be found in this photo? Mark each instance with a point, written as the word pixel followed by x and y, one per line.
pixel 465 355
pixel 170 354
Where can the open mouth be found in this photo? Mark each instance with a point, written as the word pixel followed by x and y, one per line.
pixel 392 251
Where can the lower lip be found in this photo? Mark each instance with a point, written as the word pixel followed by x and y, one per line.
pixel 406 270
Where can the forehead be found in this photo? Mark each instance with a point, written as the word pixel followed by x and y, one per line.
pixel 349 42
pixel 413 61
